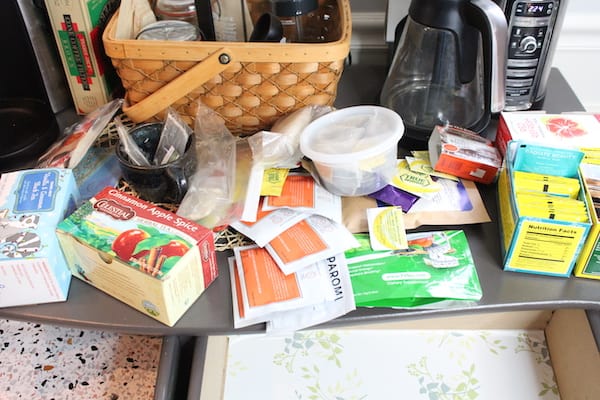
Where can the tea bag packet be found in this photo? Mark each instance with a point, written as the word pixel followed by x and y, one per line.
pixel 334 270
pixel 386 228
pixel 252 199
pixel 341 304
pixel 537 199
pixel 544 160
pixel 309 241
pixel 549 196
pixel 550 184
pixel 173 139
pixel 269 150
pixel 265 289
pixel 302 193
pixel 395 197
pixel 240 318
pixel 591 156
pixel 420 162
pixel 269 224
pixel 551 207
pixel 273 181
pixel 277 149
pixel 452 196
pixel 135 154
pixel 459 203
pixel 417 183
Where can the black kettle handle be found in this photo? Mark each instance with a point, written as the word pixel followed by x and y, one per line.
pixel 398 32
pixel 397 35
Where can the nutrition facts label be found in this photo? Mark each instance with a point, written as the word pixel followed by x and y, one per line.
pixel 546 247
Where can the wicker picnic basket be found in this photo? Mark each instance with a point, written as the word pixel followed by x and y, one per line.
pixel 249 84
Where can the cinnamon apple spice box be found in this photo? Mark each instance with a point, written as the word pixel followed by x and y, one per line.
pixel 145 256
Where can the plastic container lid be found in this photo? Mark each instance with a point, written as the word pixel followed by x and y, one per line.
pixel 350 134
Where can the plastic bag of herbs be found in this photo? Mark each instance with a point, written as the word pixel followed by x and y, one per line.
pixel 435 271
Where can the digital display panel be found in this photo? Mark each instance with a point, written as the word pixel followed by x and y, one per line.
pixel 534 9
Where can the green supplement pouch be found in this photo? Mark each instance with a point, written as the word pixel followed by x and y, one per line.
pixel 437 270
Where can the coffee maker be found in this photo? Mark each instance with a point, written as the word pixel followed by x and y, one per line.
pixel 448 67
pixel 533 28
pixel 33 88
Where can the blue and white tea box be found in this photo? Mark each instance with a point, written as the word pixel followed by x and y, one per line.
pixel 32 203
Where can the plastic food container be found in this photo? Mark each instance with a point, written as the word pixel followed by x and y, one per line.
pixel 354 149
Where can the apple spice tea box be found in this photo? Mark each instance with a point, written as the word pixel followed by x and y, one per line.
pixel 32 267
pixel 145 256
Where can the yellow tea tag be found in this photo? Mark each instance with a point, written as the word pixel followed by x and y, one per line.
pixel 423 165
pixel 386 228
pixel 273 180
pixel 592 155
pixel 555 185
pixel 420 154
pixel 419 165
pixel 413 182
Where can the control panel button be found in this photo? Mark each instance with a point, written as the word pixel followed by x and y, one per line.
pixel 528 44
pixel 520 73
pixel 518 92
pixel 514 63
pixel 519 82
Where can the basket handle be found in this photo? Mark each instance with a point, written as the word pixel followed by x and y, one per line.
pixel 179 87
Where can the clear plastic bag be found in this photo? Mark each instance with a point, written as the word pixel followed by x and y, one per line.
pixel 281 146
pixel 79 137
pixel 218 188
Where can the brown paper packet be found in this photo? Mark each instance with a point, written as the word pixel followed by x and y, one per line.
pixel 354 214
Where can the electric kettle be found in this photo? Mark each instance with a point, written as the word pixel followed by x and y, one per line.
pixel 448 67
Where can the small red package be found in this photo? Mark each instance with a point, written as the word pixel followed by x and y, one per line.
pixel 463 153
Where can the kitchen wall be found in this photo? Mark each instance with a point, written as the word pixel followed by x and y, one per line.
pixel 577 53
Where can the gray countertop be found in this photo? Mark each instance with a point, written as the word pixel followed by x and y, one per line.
pixel 211 313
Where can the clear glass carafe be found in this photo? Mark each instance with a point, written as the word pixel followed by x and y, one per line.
pixel 423 84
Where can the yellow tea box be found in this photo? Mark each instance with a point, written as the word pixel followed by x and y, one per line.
pixel 550 244
pixel 145 256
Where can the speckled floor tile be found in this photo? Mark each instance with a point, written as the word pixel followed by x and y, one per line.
pixel 43 362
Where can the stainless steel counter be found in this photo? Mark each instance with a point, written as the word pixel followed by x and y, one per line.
pixel 212 312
